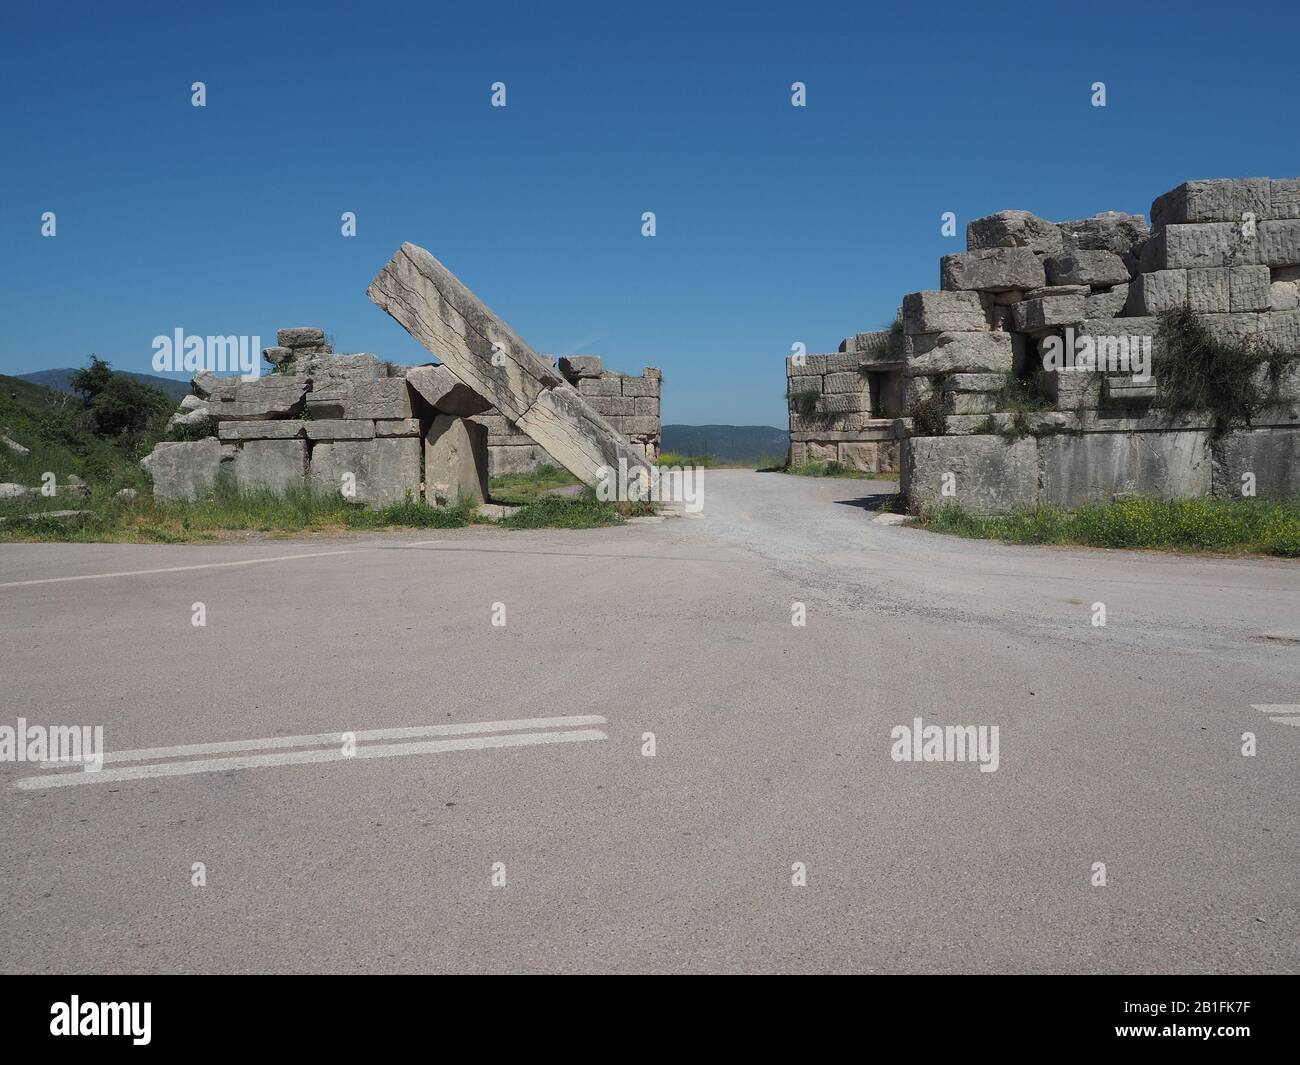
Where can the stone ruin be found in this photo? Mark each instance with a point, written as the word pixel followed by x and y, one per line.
pixel 378 433
pixel 1026 288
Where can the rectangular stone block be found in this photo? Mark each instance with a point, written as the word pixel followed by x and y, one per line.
pixel 1270 456
pixel 992 270
pixel 397 427
pixel 183 470
pixel 277 396
pixel 263 430
pixel 938 312
pixel 975 382
pixel 1094 268
pixel 1159 290
pixel 300 338
pixel 970 402
pixel 1106 303
pixel 1249 288
pixel 1219 200
pixel 1279 243
pixel 636 425
pixel 645 406
pixel 339 429
pixel 1185 247
pixel 455 461
pixel 1283 296
pixel 380 471
pixel 1098 467
pixel 611 406
pixel 843 382
pixel 575 367
pixel 642 387
pixel 1279 330
pixel 1284 198
pixel 1208 290
pixel 986 474
pixel 273 465
pixel 388 397
pixel 965 353
pixel 1048 311
pixel 611 385
pixel 844 403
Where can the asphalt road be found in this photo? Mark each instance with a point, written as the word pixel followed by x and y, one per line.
pixel 1119 744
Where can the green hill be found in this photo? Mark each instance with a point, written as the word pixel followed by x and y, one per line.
pixel 728 443
pixel 61 381
pixel 61 435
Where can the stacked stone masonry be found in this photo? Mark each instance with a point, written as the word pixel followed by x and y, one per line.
pixel 1024 288
pixel 372 431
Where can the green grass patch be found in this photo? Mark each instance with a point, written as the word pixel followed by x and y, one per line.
pixel 839 470
pixel 1226 525
pixel 519 488
pixel 583 511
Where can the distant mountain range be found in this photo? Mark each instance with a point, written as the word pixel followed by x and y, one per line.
pixel 730 443
pixel 61 381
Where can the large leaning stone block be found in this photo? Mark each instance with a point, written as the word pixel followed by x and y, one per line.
pixel 271 465
pixel 374 472
pixel 993 270
pixel 1098 467
pixel 183 470
pixel 983 474
pixel 455 461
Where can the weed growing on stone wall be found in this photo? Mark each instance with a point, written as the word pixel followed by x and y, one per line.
pixel 1228 378
pixel 928 416
pixel 805 403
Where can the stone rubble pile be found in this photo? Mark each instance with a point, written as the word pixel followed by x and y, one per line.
pixel 1228 249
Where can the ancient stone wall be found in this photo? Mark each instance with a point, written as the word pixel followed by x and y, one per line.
pixel 629 404
pixel 993 419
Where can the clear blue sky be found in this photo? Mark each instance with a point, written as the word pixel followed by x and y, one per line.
pixel 775 224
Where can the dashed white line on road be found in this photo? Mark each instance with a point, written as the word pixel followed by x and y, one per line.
pixel 335 739
pixel 259 761
pixel 170 569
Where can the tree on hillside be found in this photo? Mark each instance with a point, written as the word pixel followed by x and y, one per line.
pixel 117 404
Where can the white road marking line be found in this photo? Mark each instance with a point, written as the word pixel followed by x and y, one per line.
pixel 1292 709
pixel 335 739
pixel 258 761
pixel 170 569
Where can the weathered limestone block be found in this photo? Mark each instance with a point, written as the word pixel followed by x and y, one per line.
pixel 938 312
pixel 1048 311
pixel 455 460
pixel 277 356
pixel 517 458
pixel 274 465
pixel 609 385
pixel 853 421
pixel 1013 229
pixel 990 474
pixel 1249 288
pixel 1112 231
pixel 1220 200
pixel 917 390
pixel 486 354
pixel 1071 389
pixel 1272 456
pixel 577 366
pixel 643 387
pixel 290 429
pixel 183 470
pixel 278 396
pixel 970 402
pixel 339 429
pixel 1284 198
pixel 207 385
pixel 964 353
pixel 975 382
pixel 637 425
pixel 1279 330
pixel 1279 243
pixel 861 455
pixel 1106 303
pixel 444 392
pixel 1208 290
pixel 388 397
pixel 844 382
pixel 811 365
pixel 302 337
pixel 198 416
pixel 876 347
pixel 993 270
pixel 845 403
pixel 1123 391
pixel 1283 296
pixel 1159 290
pixel 379 471
pixel 1097 467
pixel 325 369
pixel 616 406
pixel 1095 268
pixel 1041 423
pixel 397 427
pixel 1203 244
pixel 191 403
